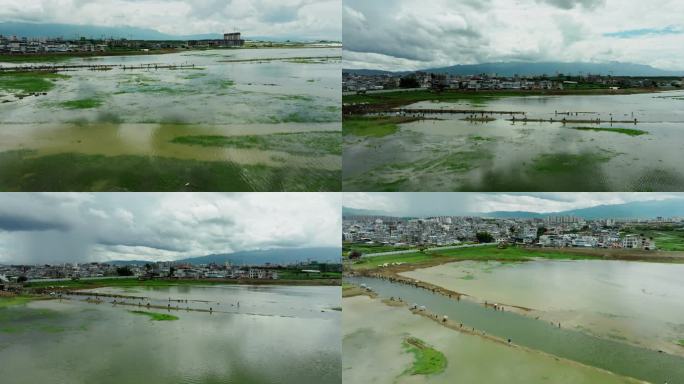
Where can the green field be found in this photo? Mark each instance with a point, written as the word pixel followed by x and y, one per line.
pixel 475 253
pixel 427 360
pixel 665 239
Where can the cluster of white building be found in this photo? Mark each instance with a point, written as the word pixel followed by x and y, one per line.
pixel 23 45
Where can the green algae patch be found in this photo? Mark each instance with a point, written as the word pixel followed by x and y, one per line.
pixel 23 170
pixel 373 126
pixel 154 316
pixel 88 103
pixel 300 143
pixel 20 83
pixel 427 360
pixel 624 131
pixel 568 162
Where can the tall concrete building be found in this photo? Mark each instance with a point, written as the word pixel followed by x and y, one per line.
pixel 233 40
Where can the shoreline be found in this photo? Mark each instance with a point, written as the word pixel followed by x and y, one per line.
pixel 360 104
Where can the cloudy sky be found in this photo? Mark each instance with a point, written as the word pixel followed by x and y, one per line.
pixel 59 227
pixel 311 19
pixel 410 35
pixel 435 204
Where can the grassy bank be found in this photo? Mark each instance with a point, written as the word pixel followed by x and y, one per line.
pixel 373 126
pixel 427 360
pixel 23 83
pixel 156 316
pixel 23 171
pixel 476 253
pixel 372 248
pixel 670 239
pixel 134 282
pixel 61 57
pixel 300 143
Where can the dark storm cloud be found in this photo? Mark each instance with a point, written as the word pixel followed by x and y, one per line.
pixel 17 223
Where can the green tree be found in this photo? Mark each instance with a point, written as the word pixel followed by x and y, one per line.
pixel 124 271
pixel 484 237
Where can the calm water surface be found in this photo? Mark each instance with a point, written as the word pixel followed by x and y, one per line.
pixel 278 335
pixel 451 154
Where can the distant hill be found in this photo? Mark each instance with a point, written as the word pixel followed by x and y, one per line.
pixel 274 256
pixel 541 68
pixel 72 31
pixel 633 210
pixel 346 211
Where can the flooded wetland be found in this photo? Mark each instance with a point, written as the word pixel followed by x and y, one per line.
pixel 218 334
pixel 219 120
pixel 625 142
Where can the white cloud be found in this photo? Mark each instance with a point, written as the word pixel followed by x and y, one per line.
pixel 409 35
pixel 314 19
pixel 163 226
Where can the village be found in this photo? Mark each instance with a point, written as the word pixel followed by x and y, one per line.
pixel 361 83
pixel 13 276
pixel 556 232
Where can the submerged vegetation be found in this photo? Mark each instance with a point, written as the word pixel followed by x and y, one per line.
pixel 427 360
pixel 373 126
pixel 23 170
pixel 300 143
pixel 88 103
pixel 10 301
pixel 624 131
pixel 21 83
pixel 568 162
pixel 156 316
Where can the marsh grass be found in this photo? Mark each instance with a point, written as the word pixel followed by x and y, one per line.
pixel 20 83
pixel 23 170
pixel 427 360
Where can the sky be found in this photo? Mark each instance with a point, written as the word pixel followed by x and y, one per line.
pixel 444 203
pixel 409 35
pixel 309 19
pixel 48 228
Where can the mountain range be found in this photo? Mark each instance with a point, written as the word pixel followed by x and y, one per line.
pixel 632 210
pixel 273 256
pixel 539 68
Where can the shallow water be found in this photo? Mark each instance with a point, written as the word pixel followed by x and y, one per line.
pixel 138 112
pixel 279 334
pixel 500 155
pixel 611 355
pixel 373 335
pixel 633 302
